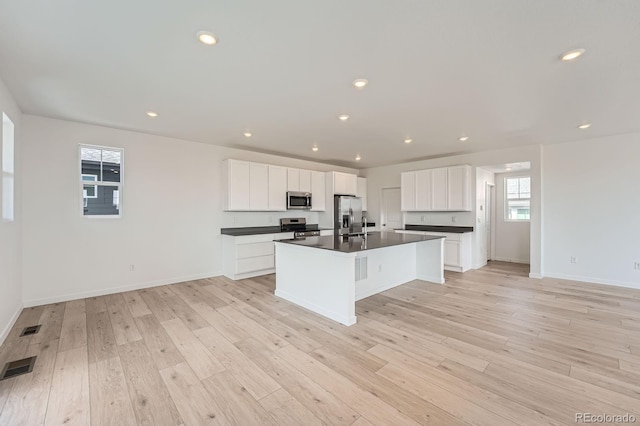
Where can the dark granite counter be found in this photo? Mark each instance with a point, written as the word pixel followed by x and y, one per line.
pixel 374 240
pixel 257 230
pixel 439 228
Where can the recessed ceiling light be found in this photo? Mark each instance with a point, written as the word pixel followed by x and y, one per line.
pixel 572 54
pixel 152 114
pixel 315 148
pixel 408 140
pixel 360 83
pixel 343 117
pixel 584 126
pixel 207 38
pixel 463 138
pixel 247 134
pixel 358 158
pixel 508 169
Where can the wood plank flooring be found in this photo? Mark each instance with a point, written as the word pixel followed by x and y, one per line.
pixel 490 347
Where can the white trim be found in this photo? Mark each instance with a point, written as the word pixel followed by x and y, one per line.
pixel 594 280
pixel 512 260
pixel 12 322
pixel 536 276
pixel 315 309
pixel 112 290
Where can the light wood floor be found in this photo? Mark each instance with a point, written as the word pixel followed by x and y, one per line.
pixel 489 347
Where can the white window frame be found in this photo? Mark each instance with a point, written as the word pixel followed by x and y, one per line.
pixel 118 185
pixel 507 199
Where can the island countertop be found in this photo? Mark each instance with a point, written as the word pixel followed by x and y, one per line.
pixel 374 240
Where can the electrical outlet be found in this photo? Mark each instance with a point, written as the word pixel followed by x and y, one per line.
pixel 574 259
pixel 235 220
pixel 132 267
pixel 421 218
pixel 380 268
pixel 453 219
pixel 636 266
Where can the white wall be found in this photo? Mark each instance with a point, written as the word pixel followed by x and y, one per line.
pixel 512 239
pixel 171 206
pixel 481 229
pixel 10 232
pixel 592 210
pixel 389 177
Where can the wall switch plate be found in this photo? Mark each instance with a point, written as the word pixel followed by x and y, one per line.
pixel 574 259
pixel 132 267
pixel 636 266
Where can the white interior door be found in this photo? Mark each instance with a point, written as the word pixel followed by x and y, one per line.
pixel 489 220
pixel 390 214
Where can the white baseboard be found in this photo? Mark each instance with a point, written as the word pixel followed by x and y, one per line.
pixel 112 290
pixel 511 260
pixel 594 280
pixel 11 323
pixel 342 319
pixel 481 265
pixel 536 276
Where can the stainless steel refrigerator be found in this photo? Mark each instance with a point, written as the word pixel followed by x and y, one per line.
pixel 347 215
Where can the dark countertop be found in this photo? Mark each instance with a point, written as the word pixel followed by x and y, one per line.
pixel 374 240
pixel 257 230
pixel 439 228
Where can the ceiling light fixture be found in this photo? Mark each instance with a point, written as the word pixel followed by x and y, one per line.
pixel 358 158
pixel 360 83
pixel 343 117
pixel 572 54
pixel 315 148
pixel 207 38
pixel 152 114
pixel 408 140
pixel 463 138
pixel 584 126
pixel 508 169
pixel 247 134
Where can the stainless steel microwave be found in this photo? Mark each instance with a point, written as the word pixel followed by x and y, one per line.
pixel 298 200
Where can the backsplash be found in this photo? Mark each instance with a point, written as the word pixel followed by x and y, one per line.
pixel 241 219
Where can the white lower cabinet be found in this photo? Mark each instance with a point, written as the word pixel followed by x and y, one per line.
pixel 457 249
pixel 249 256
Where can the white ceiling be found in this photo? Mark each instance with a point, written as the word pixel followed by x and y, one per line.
pixel 509 167
pixel 283 70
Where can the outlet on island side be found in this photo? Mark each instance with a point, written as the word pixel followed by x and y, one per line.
pixel 132 267
pixel 636 266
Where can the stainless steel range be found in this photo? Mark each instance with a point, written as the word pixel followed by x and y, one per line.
pixel 299 227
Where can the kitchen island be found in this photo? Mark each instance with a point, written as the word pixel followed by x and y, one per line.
pixel 327 275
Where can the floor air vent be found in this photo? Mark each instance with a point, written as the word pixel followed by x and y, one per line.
pixel 361 268
pixel 16 368
pixel 28 331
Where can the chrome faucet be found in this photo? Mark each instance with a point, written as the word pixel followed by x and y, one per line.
pixel 364 223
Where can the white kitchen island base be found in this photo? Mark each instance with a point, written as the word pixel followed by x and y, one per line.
pixel 330 281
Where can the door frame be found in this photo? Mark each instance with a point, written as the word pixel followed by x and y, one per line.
pixel 382 207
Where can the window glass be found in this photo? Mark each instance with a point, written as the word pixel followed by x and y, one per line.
pixel 518 198
pixel 104 167
pixel 8 160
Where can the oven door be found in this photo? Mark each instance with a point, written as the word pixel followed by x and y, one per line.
pixel 298 200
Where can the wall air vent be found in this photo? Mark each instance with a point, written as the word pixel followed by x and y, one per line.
pixel 32 329
pixel 16 368
pixel 361 268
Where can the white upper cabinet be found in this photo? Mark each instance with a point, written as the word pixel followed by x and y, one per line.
pixel 293 179
pixel 258 186
pixel 277 188
pixel 459 188
pixel 361 191
pixel 442 189
pixel 305 180
pixel 439 189
pixel 424 190
pixel 318 197
pixel 408 191
pixel 254 186
pixel 238 185
pixel 345 183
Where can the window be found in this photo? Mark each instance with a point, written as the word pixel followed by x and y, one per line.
pixel 517 198
pixel 7 168
pixel 102 167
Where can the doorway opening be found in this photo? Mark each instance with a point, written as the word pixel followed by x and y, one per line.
pixel 390 214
